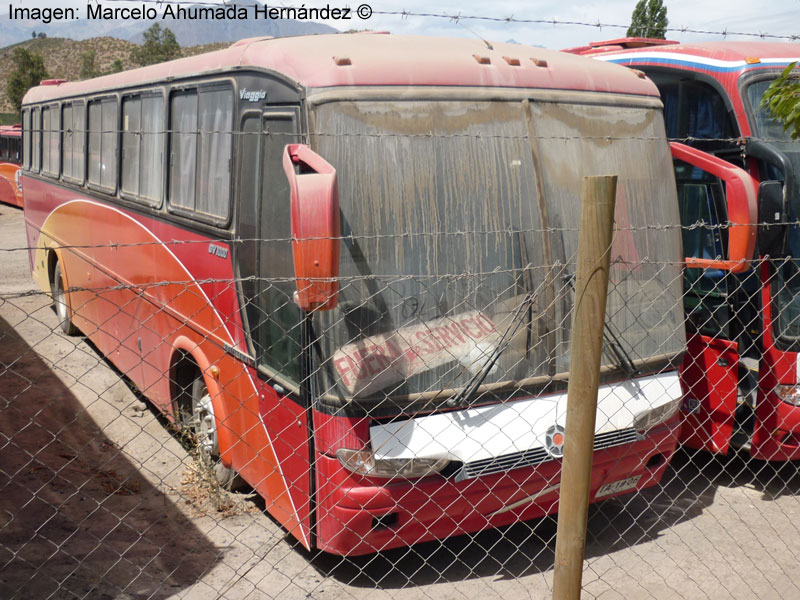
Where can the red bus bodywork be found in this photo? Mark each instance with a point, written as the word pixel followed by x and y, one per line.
pixel 713 369
pixel 152 291
pixel 10 160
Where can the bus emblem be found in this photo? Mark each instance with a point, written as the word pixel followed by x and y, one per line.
pixel 252 96
pixel 554 440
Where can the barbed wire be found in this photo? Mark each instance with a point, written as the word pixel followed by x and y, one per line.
pixel 458 16
pixel 387 279
pixel 737 140
pixel 106 512
pixel 352 237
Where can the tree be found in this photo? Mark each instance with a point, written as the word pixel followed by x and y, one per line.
pixel 88 68
pixel 159 45
pixel 117 66
pixel 649 20
pixel 782 100
pixel 29 72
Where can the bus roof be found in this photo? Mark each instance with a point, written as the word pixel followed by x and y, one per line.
pixel 362 59
pixel 717 56
pixel 13 131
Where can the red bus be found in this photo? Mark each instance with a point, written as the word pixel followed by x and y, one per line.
pixel 344 262
pixel 742 367
pixel 10 160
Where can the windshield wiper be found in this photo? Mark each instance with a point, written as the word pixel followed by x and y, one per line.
pixel 618 350
pixel 612 342
pixel 462 398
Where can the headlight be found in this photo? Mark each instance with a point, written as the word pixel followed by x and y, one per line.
pixel 789 394
pixel 650 418
pixel 364 462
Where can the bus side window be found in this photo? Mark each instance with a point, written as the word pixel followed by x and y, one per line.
pixel 131 142
pixel 36 139
pixel 79 141
pixel 215 120
pixel 26 139
pixel 142 146
pixel 47 124
pixel 67 135
pixel 152 148
pixel 103 141
pixel 183 149
pixel 51 123
pixel 73 125
pixel 201 143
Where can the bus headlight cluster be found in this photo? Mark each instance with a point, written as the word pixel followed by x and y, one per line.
pixel 789 394
pixel 364 462
pixel 648 419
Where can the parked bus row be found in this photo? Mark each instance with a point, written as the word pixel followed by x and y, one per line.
pixel 345 264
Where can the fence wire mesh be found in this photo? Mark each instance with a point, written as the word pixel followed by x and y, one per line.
pixel 172 425
pixel 104 496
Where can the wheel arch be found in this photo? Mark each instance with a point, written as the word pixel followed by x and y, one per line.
pixel 187 361
pixel 53 257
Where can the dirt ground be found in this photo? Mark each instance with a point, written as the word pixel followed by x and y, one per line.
pixel 94 504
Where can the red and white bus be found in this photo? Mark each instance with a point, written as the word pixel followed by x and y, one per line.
pixel 10 160
pixel 742 368
pixel 345 263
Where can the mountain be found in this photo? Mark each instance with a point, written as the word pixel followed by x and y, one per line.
pixel 63 57
pixel 66 42
pixel 188 31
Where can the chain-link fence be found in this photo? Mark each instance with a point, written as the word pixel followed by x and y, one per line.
pixel 444 490
pixel 189 409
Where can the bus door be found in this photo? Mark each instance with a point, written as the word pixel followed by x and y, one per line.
pixel 711 359
pixel 276 324
pixel 719 381
pixel 776 436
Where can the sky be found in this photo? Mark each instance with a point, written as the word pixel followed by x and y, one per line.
pixel 779 17
pixel 773 17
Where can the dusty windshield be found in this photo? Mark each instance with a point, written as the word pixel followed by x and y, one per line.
pixel 444 258
pixel 786 283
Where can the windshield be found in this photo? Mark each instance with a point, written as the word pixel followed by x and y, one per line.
pixel 786 283
pixel 445 258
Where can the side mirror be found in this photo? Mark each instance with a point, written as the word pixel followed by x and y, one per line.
pixel 315 227
pixel 741 193
pixel 772 211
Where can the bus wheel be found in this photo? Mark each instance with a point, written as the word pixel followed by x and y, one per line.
pixel 60 302
pixel 203 424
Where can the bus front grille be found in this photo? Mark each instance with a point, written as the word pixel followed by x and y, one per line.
pixel 535 456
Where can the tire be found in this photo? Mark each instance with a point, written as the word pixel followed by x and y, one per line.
pixel 203 425
pixel 61 302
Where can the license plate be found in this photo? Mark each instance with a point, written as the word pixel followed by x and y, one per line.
pixel 623 485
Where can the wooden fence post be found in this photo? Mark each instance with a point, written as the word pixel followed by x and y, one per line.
pixel 598 196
